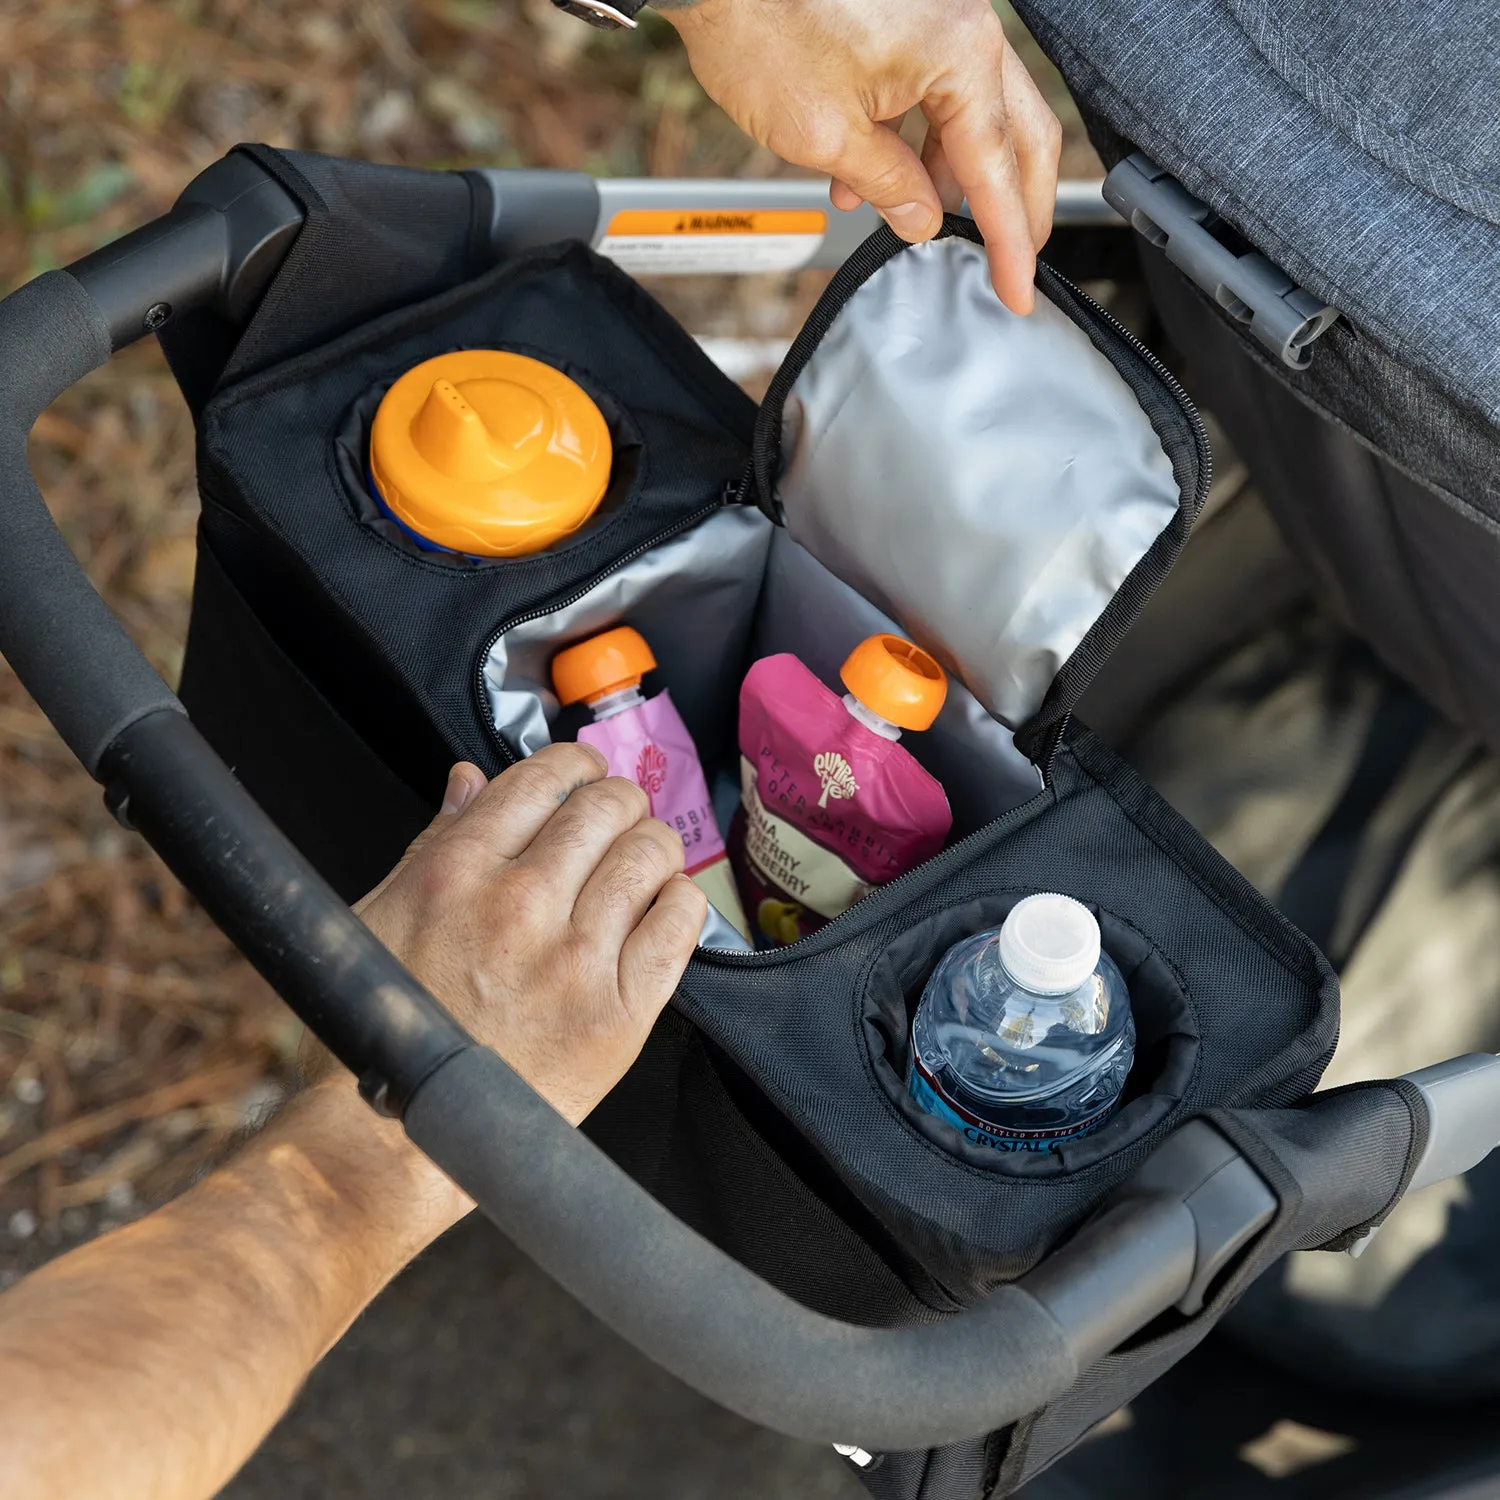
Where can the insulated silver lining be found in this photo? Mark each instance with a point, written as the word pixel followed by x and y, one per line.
pixel 985 480
pixel 693 598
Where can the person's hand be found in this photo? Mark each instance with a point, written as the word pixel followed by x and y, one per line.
pixel 548 912
pixel 815 81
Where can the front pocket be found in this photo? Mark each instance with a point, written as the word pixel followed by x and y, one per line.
pixel 1166 1050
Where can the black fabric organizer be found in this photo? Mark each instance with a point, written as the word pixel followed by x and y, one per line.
pixel 767 1109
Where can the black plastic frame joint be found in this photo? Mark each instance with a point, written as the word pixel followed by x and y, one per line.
pixel 218 247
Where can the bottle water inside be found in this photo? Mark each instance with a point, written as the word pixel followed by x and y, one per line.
pixel 1024 1037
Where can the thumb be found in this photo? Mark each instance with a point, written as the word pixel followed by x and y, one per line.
pixel 876 165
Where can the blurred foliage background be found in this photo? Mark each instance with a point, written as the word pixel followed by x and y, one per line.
pixel 133 1041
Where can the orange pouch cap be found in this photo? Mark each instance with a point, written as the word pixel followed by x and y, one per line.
pixel 897 680
pixel 601 665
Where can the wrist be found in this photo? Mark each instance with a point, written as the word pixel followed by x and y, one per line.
pixel 378 1177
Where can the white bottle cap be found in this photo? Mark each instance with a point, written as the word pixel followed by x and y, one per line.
pixel 1049 944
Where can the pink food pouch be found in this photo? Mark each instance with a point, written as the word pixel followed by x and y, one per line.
pixel 644 740
pixel 831 805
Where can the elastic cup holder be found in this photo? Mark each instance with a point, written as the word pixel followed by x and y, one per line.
pixel 1166 1035
pixel 352 454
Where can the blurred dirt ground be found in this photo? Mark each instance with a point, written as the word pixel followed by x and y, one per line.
pixel 133 1042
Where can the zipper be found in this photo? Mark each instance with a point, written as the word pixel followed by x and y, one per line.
pixel 873 907
pixel 726 497
pixel 1185 405
pixel 1167 378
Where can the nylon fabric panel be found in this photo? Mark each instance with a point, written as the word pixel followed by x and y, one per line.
pixel 1098 835
pixel 304 765
pixel 674 1126
pixel 371 622
pixel 375 237
pixel 1186 83
pixel 1411 567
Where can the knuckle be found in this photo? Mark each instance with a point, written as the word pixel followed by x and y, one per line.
pixel 684 921
pixel 639 861
pixel 521 899
pixel 628 798
pixel 825 140
pixel 670 843
pixel 437 879
pixel 538 783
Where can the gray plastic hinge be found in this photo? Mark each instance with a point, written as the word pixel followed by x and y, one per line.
pixel 1463 1116
pixel 1282 316
pixel 1162 1241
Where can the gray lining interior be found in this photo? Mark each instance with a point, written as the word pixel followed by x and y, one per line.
pixel 987 480
pixel 978 482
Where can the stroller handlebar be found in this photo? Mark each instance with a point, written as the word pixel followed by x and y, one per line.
pixel 1193 1207
pixel 232 227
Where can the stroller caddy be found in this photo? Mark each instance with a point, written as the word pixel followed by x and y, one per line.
pixel 761 1208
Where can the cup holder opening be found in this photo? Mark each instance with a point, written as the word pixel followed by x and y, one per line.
pixel 352 452
pixel 1166 1035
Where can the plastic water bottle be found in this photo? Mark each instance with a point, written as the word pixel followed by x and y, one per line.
pixel 1023 1036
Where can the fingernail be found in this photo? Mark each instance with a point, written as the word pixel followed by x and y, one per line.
pixel 912 221
pixel 457 793
pixel 598 755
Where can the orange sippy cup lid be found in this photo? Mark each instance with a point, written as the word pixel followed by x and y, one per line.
pixel 897 680
pixel 489 453
pixel 601 665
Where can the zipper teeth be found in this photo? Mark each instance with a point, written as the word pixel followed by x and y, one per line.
pixel 1195 423
pixel 870 906
pixel 514 622
pixel 1167 378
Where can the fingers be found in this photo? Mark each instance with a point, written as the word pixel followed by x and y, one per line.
pixel 935 159
pixel 575 840
pixel 656 953
pixel 465 782
pixel 975 131
pixel 1037 137
pixel 627 880
pixel 843 197
pixel 1002 144
pixel 504 818
pixel 870 163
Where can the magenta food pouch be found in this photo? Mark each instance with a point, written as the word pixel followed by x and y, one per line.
pixel 650 745
pixel 829 809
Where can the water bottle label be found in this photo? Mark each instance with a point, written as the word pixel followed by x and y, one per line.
pixel 928 1093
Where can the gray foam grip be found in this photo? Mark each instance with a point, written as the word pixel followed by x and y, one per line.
pixel 55 631
pixel 706 1318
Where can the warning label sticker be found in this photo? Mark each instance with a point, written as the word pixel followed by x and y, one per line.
pixel 678 241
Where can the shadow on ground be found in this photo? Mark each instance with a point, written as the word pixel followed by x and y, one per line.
pixel 475 1378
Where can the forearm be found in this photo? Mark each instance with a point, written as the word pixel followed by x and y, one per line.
pixel 151 1363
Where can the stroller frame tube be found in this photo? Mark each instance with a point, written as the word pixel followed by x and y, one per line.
pixel 1190 1210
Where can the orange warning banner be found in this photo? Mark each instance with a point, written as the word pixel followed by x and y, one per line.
pixel 664 221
